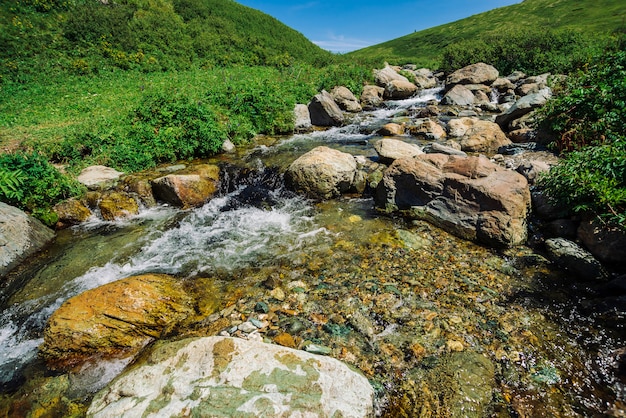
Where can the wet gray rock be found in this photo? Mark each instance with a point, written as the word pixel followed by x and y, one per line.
pixel 574 259
pixel 322 173
pixel 424 79
pixel 459 95
pixel 324 111
pixel 523 106
pixel 503 84
pixel 437 148
pixel 545 208
pixel 21 236
pixel 221 376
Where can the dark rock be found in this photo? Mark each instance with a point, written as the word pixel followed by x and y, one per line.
pixel 574 259
pixel 324 111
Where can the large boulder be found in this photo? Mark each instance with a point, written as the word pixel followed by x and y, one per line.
pixel 322 173
pixel 390 149
pixel 477 135
pixel 479 73
pixel 523 106
pixel 324 111
pixel 372 97
pixel 230 377
pixel 99 177
pixel 424 78
pixel 458 95
pixel 117 319
pixel 191 189
pixel 20 237
pixel 400 89
pixel 386 75
pixel 345 99
pixel 470 197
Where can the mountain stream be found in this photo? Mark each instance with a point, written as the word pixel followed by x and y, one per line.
pixel 403 302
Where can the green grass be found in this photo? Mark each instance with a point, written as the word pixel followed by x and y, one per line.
pixel 590 17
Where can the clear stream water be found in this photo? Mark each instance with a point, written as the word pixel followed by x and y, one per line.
pixel 397 300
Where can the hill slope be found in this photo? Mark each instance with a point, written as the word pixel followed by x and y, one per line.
pixel 87 36
pixel 425 47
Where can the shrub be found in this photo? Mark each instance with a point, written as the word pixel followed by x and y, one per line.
pixel 589 118
pixel 592 180
pixel 34 184
pixel 591 108
pixel 533 52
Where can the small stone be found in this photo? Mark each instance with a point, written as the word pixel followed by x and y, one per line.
pixel 418 351
pixel 318 349
pixel 261 307
pixel 278 294
pixel 454 345
pixel 247 327
pixel 295 284
pixel 256 322
pixel 285 339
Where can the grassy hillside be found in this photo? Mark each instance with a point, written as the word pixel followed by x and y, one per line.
pixel 589 17
pixel 90 36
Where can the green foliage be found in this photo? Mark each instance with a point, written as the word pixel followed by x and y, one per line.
pixel 163 128
pixel 589 117
pixel 533 52
pixel 591 108
pixel 592 180
pixel 10 184
pixel 34 184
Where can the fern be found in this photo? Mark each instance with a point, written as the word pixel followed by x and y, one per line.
pixel 10 184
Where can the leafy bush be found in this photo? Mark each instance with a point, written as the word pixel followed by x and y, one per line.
pixel 163 128
pixel 591 108
pixel 33 184
pixel 10 184
pixel 533 52
pixel 589 118
pixel 592 180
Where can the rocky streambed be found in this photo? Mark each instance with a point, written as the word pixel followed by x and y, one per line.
pixel 350 302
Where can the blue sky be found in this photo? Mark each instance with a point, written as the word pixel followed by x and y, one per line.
pixel 342 26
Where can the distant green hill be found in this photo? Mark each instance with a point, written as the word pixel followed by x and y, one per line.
pixel 590 17
pixel 86 36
